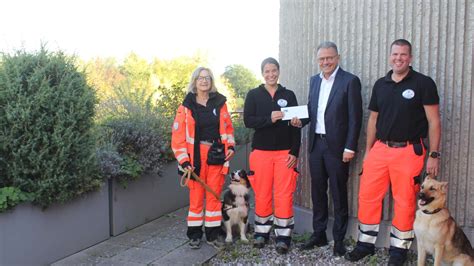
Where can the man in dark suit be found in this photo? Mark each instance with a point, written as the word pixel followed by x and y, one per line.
pixel 335 113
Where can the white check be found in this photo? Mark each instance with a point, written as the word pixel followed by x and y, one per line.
pixel 295 111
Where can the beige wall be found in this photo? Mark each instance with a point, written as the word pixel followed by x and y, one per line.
pixel 441 33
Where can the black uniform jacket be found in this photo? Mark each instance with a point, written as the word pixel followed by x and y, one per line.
pixel 280 135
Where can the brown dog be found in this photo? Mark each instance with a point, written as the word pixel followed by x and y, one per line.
pixel 436 231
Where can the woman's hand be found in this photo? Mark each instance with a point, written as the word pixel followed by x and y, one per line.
pixel 276 115
pixel 230 153
pixel 291 162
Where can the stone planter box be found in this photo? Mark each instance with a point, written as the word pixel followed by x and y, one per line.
pixel 32 236
pixel 145 199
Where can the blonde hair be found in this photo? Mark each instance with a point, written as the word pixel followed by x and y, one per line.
pixel 195 76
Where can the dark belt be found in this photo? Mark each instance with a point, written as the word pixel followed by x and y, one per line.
pixel 321 136
pixel 399 144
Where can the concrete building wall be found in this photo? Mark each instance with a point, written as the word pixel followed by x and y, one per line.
pixel 441 33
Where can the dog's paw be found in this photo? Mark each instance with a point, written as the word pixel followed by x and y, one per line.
pixel 244 240
pixel 228 240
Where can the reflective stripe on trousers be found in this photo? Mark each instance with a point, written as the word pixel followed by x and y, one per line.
pixel 284 227
pixel 368 233
pixel 401 239
pixel 212 176
pixel 398 168
pixel 263 225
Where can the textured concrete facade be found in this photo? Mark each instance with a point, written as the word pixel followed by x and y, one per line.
pixel 441 33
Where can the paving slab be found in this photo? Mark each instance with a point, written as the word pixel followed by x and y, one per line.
pixel 80 258
pixel 162 241
pixel 105 250
pixel 140 255
pixel 184 255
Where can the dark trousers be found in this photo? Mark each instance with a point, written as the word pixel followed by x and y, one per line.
pixel 324 167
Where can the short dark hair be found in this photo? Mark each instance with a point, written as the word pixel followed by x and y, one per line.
pixel 401 42
pixel 270 60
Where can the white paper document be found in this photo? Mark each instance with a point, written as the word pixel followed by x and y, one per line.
pixel 295 111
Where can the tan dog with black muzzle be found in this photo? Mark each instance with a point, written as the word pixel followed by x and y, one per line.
pixel 436 231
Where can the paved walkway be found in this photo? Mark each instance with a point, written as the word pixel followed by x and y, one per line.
pixel 159 242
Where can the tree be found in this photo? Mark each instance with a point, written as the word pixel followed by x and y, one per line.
pixel 103 75
pixel 138 74
pixel 241 79
pixel 47 146
pixel 176 71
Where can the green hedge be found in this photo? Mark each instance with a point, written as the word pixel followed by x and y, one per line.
pixel 46 115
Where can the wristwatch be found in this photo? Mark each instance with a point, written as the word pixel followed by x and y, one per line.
pixel 434 154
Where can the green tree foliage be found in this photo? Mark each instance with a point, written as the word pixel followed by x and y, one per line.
pixel 104 75
pixel 241 79
pixel 138 74
pixel 170 99
pixel 46 116
pixel 176 71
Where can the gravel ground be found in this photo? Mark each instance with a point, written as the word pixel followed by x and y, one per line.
pixel 244 254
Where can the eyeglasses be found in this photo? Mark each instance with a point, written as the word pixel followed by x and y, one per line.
pixel 327 58
pixel 206 78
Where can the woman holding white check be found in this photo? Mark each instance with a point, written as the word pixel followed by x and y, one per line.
pixel 273 159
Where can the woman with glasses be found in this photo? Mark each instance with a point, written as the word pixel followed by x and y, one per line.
pixel 201 121
pixel 275 148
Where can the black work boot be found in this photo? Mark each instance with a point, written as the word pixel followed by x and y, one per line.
pixel 339 248
pixel 281 247
pixel 361 251
pixel 398 256
pixel 318 240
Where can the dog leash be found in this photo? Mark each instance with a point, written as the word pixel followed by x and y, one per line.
pixel 187 176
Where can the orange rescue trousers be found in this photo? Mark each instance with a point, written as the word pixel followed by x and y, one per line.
pixel 213 177
pixel 271 178
pixel 399 168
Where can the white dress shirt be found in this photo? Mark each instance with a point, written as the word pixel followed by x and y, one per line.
pixel 324 91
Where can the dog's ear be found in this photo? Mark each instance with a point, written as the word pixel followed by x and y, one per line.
pixel 444 187
pixel 428 176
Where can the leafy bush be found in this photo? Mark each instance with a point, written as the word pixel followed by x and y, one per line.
pixel 46 144
pixel 133 137
pixel 242 134
pixel 12 196
pixel 129 141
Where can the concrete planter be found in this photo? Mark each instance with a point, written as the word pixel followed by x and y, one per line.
pixel 145 199
pixel 31 236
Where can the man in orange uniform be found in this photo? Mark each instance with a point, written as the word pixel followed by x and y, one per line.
pixel 201 120
pixel 404 109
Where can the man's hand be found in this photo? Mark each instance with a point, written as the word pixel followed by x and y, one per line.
pixel 432 166
pixel 347 156
pixel 276 115
pixel 291 162
pixel 296 122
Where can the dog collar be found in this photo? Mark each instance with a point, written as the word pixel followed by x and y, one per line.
pixel 432 212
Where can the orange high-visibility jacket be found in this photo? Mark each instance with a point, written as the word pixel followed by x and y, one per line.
pixel 183 133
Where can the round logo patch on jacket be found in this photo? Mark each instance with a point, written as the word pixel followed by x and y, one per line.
pixel 282 103
pixel 408 94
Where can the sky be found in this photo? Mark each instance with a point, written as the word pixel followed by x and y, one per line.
pixel 227 31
